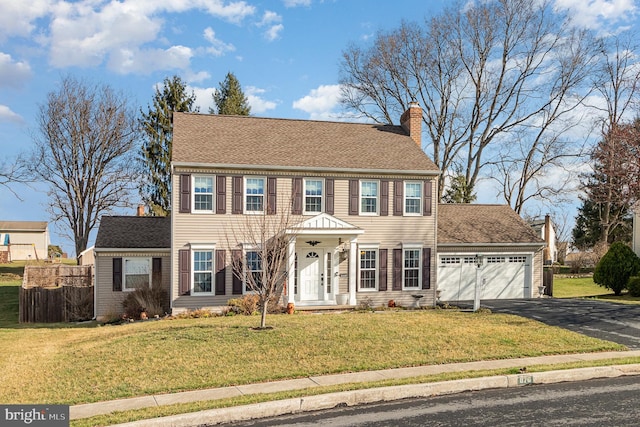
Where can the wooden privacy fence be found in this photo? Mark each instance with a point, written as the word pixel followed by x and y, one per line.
pixel 56 293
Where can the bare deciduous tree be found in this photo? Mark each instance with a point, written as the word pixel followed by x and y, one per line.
pixel 83 151
pixel 263 266
pixel 12 172
pixel 482 72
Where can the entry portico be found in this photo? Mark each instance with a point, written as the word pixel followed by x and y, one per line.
pixel 316 258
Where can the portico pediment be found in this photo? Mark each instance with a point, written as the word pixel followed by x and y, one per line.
pixel 325 224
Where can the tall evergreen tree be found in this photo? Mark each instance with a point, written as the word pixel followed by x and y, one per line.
pixel 229 98
pixel 459 191
pixel 156 149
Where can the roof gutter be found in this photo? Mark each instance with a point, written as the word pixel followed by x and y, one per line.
pixel 491 245
pixel 303 168
pixel 132 250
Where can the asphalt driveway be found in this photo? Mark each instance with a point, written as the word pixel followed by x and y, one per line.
pixel 619 323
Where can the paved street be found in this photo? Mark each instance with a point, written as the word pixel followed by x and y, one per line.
pixel 601 402
pixel 599 319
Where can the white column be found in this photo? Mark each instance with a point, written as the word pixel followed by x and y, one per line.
pixel 291 260
pixel 353 280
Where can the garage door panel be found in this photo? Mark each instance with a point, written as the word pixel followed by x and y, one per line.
pixel 503 281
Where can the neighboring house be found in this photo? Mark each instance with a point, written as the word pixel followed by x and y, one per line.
pixel 545 230
pixel 87 257
pixel 491 240
pixel 129 249
pixel 362 198
pixel 24 240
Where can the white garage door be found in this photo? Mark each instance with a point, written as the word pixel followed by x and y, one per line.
pixel 503 277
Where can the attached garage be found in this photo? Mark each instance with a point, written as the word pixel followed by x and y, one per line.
pixel 488 245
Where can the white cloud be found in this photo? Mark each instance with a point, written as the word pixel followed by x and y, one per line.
pixel 596 14
pixel 204 97
pixel 6 115
pixel 320 102
pixel 296 3
pixel 13 73
pixel 273 32
pixel 17 17
pixel 257 102
pixel 218 47
pixel 126 61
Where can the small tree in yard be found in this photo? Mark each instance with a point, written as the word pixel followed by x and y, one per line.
pixel 616 267
pixel 265 239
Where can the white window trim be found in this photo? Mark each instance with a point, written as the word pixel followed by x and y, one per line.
pixel 369 247
pixel 419 249
pixel 304 196
pixel 124 272
pixel 213 194
pixel 201 247
pixel 245 194
pixel 404 199
pixel 245 270
pixel 377 212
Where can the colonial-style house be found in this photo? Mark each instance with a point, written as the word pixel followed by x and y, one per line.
pixel 362 213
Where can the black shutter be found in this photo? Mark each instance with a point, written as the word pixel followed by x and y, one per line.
pixel 221 194
pixel 354 199
pixel 185 193
pixel 398 198
pixel 272 195
pixel 117 274
pixel 184 269
pixel 156 272
pixel 382 270
pixel 236 207
pixel 221 271
pixel 397 269
pixel 384 197
pixel 296 196
pixel 427 198
pixel 328 198
pixel 236 285
pixel 426 268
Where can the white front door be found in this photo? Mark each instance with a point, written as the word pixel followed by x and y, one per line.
pixel 311 286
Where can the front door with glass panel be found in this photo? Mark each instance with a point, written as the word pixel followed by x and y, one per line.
pixel 311 275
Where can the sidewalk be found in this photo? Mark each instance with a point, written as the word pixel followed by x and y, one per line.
pixel 100 408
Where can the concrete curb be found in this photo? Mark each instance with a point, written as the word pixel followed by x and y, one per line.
pixel 356 397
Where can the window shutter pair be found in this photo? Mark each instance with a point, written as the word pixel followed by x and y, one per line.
pixel 397 269
pixel 297 197
pixel 184 271
pixel 354 197
pixel 118 273
pixel 185 194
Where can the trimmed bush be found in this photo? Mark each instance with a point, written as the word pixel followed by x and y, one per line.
pixel 634 286
pixel 615 268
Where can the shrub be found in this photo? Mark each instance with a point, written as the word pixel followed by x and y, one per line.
pixel 615 267
pixel 246 305
pixel 634 286
pixel 147 299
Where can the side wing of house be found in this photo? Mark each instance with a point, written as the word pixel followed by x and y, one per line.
pixel 359 237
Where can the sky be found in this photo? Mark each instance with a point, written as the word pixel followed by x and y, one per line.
pixel 285 53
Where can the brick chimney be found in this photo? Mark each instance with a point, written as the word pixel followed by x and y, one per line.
pixel 411 121
pixel 140 211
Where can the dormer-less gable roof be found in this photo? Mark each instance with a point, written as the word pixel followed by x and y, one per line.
pixel 245 141
pixel 134 232
pixel 24 226
pixel 460 223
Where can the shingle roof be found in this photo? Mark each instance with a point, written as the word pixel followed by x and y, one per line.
pixel 23 225
pixel 144 232
pixel 476 223
pixel 246 140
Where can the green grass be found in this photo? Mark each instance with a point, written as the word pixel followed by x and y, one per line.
pixel 584 287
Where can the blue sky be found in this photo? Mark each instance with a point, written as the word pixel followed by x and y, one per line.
pixel 285 54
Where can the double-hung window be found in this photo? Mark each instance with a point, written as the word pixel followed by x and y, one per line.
pixel 368 260
pixel 137 273
pixel 369 197
pixel 254 269
pixel 411 268
pixel 202 272
pixel 412 198
pixel 313 196
pixel 202 193
pixel 254 194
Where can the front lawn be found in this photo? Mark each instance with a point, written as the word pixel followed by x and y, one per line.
pixel 584 287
